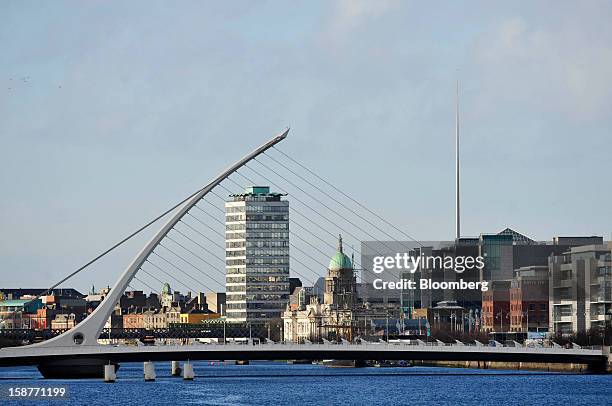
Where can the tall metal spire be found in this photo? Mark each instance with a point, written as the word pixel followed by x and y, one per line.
pixel 457 203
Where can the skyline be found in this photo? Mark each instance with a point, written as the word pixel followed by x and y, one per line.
pixel 106 131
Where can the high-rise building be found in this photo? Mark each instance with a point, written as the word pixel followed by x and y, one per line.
pixel 257 255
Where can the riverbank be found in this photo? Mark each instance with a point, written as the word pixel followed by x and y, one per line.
pixel 515 366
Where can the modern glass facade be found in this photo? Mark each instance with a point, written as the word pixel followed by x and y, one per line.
pixel 496 249
pixel 257 255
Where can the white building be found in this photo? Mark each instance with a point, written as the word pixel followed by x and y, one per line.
pixel 257 255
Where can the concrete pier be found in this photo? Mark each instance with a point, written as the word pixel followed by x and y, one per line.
pixel 188 373
pixel 176 368
pixel 149 371
pixel 109 373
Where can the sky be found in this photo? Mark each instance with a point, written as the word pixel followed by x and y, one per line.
pixel 111 112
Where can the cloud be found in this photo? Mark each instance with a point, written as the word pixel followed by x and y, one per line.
pixel 552 68
pixel 349 15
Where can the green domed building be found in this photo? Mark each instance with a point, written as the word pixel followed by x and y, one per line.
pixel 340 282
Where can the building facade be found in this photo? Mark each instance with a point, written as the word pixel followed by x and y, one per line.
pixel 496 307
pixel 580 289
pixel 529 299
pixel 257 255
pixel 341 315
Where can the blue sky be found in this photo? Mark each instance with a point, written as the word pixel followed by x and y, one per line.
pixel 127 107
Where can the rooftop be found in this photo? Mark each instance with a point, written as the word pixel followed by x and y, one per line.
pixel 258 191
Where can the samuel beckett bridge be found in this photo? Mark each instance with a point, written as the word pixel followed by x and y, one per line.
pixel 188 250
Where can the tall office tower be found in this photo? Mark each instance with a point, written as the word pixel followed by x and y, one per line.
pixel 257 255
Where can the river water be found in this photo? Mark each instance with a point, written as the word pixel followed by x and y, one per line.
pixel 272 383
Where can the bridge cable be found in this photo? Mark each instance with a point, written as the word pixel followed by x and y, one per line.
pixel 346 195
pixel 116 245
pixel 198 232
pixel 179 269
pixel 189 288
pixel 328 208
pixel 294 246
pixel 294 210
pixel 193 266
pixel 290 244
pixel 304 204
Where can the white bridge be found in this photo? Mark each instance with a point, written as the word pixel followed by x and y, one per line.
pixel 81 342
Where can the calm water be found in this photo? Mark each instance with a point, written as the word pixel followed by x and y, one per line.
pixel 269 383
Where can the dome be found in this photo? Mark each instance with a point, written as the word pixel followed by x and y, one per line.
pixel 340 260
pixel 166 289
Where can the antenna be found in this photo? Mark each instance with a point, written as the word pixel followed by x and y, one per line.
pixel 457 202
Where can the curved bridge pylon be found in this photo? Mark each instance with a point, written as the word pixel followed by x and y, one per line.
pixel 87 332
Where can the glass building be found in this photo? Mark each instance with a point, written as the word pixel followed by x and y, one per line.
pixel 257 255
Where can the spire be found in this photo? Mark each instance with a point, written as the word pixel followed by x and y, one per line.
pixel 457 205
pixel 340 243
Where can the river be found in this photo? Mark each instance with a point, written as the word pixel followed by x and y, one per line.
pixel 271 383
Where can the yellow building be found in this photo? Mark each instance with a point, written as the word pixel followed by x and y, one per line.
pixel 197 317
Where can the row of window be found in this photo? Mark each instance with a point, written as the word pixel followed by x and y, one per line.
pixel 264 270
pixel 256 217
pixel 256 244
pixel 257 279
pixel 257 226
pixel 261 252
pixel 277 287
pixel 532 307
pixel 278 235
pixel 272 306
pixel 258 261
pixel 237 297
pixel 258 208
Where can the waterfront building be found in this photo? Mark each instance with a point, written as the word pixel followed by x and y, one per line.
pixel 196 316
pixel 341 315
pixel 133 320
pixel 496 307
pixel 64 321
pixel 257 255
pixel 14 312
pixel 154 319
pixel 41 320
pixel 529 299
pixel 509 250
pixel 580 289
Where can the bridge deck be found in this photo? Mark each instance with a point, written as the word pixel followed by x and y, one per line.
pixel 372 351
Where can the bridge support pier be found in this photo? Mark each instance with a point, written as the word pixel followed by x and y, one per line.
pixel 188 374
pixel 109 373
pixel 176 368
pixel 149 371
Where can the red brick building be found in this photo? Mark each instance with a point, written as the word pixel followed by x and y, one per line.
pixel 133 320
pixel 496 307
pixel 529 299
